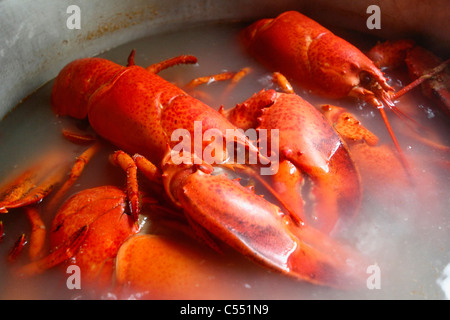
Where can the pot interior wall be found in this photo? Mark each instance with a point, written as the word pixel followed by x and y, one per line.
pixel 36 42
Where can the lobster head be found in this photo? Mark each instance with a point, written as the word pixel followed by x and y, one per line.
pixel 315 58
pixel 76 83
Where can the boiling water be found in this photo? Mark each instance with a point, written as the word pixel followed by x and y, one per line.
pixel 405 234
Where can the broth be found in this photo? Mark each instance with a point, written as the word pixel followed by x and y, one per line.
pixel 406 235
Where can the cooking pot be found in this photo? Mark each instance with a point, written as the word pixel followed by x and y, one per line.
pixel 36 41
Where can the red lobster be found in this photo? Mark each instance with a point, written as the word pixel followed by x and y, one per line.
pixel 138 111
pixel 319 61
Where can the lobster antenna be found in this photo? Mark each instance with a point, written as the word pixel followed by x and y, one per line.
pixel 130 60
pixel 387 100
pixel 431 73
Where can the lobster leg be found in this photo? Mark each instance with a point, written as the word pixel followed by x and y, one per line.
pixel 16 190
pixel 37 182
pixel 159 66
pixel 234 78
pixel 38 233
pixel 183 59
pixel 75 172
pixel 17 248
pixel 211 78
pixel 61 253
pixel 32 186
pixel 150 171
pixel 77 138
pixel 127 164
pixel 87 230
pixel 282 82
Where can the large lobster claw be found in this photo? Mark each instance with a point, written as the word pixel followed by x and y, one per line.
pixel 87 231
pixel 261 231
pixel 318 153
pixel 102 210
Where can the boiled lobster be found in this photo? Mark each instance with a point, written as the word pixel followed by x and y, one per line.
pixel 138 111
pixel 319 61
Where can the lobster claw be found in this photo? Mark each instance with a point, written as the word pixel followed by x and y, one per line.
pixel 258 229
pixel 87 231
pixel 319 154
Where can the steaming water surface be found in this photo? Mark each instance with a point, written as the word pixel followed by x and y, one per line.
pixel 404 232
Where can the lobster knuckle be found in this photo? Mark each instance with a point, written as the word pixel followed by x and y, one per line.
pixel 246 115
